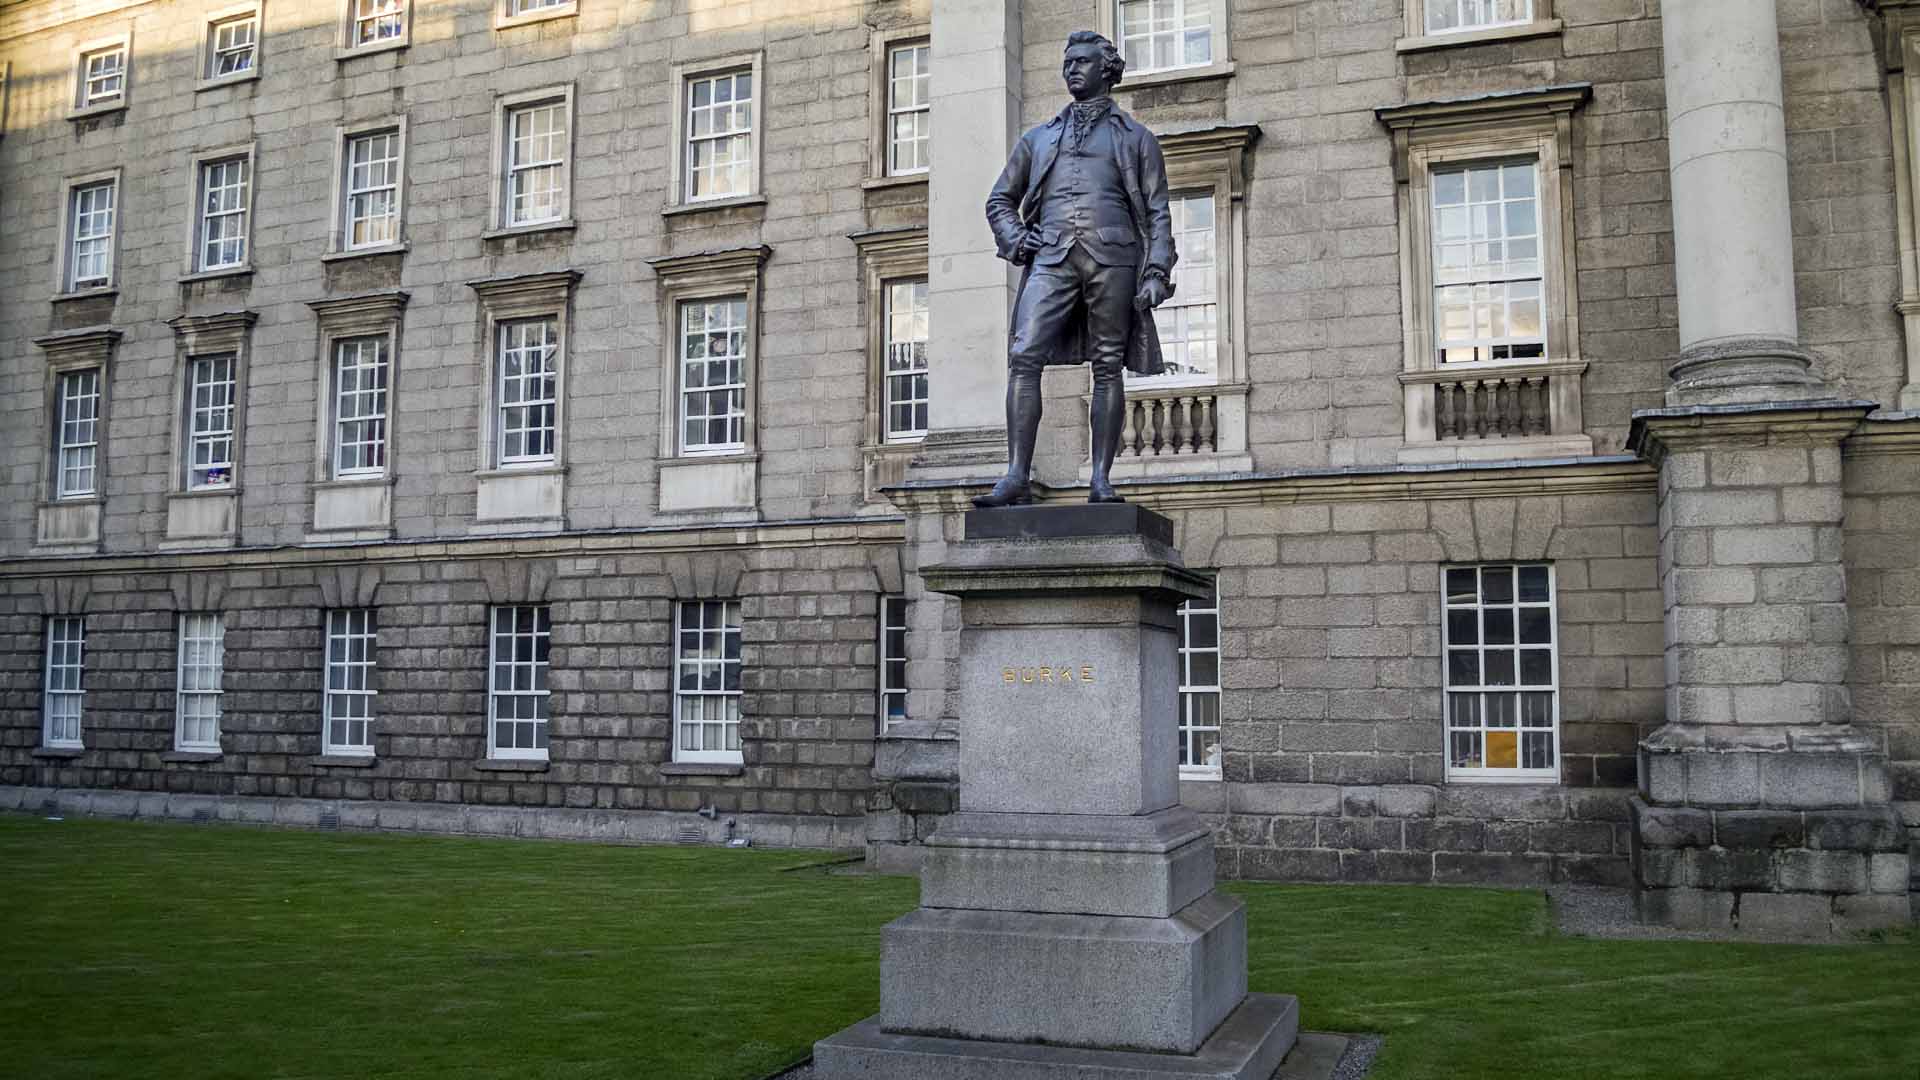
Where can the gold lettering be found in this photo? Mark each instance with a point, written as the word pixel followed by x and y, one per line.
pixel 1008 675
pixel 1066 674
pixel 1027 674
pixel 1046 674
pixel 1086 673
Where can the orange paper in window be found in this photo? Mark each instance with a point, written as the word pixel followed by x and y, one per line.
pixel 1503 749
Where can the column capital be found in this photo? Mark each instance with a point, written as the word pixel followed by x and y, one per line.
pixel 1818 422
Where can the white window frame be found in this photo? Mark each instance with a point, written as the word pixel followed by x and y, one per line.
pixel 892 676
pixel 1194 691
pixel 739 388
pixel 1188 273
pixel 896 350
pixel 1538 23
pixel 348 693
pixel 1219 63
pixel 77 430
pixel 505 168
pixel 211 50
pixel 680 188
pixel 1482 690
pixel 194 434
pixel 67 283
pixel 1487 279
pixel 510 340
pixel 206 628
pixel 358 14
pixel 63 632
pixel 728 702
pixel 537 673
pixel 341 240
pixel 201 173
pixel 508 13
pixel 84 101
pixel 375 400
pixel 921 109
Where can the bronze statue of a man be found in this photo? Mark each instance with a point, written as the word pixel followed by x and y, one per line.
pixel 1082 204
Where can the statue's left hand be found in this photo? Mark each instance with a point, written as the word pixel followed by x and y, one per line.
pixel 1154 291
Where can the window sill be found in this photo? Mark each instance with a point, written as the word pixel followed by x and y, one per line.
pixel 344 761
pixel 907 180
pixel 250 75
pixel 85 294
pixel 362 253
pixel 371 480
pixel 732 455
pixel 59 753
pixel 215 275
pixel 730 203
pixel 1479 37
pixel 88 112
pixel 508 22
pixel 562 225
pixel 341 55
pixel 89 499
pixel 1147 79
pixel 702 768
pixel 190 757
pixel 526 765
pixel 544 468
pixel 205 492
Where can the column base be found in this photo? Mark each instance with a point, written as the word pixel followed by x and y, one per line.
pixel 1744 371
pixel 1249 1045
pixel 1770 871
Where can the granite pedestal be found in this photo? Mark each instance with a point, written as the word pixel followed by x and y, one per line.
pixel 1068 924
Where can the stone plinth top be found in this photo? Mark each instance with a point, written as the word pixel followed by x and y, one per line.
pixel 1069 521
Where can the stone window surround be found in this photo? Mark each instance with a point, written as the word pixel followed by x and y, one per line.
pixel 1220 68
pixel 206 79
pixel 72 525
pixel 1418 40
pixel 345 49
pixel 1900 53
pixel 1215 159
pixel 730 479
pixel 77 109
pixel 207 516
pixel 680 75
pixel 196 215
pixel 358 507
pixel 63 259
pixel 880 48
pixel 497 207
pixel 504 17
pixel 343 134
pixel 885 255
pixel 534 494
pixel 1535 124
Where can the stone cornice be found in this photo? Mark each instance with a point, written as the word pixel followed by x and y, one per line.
pixel 551 286
pixel 383 306
pixel 1213 139
pixel 88 343
pixel 1385 483
pixel 222 331
pixel 1547 105
pixel 827 532
pixel 906 241
pixel 1885 433
pixel 722 264
pixel 1658 432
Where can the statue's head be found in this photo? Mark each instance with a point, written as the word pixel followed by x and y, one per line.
pixel 1092 65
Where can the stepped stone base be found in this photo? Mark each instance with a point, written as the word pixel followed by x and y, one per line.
pixel 1157 985
pixel 1145 866
pixel 1250 1045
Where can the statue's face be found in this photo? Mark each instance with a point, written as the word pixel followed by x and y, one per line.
pixel 1084 70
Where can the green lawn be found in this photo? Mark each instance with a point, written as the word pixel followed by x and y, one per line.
pixel 164 951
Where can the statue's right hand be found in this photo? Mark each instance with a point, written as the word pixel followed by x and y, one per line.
pixel 1029 246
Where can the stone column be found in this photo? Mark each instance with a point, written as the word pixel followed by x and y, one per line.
pixel 976 115
pixel 1760 806
pixel 1732 235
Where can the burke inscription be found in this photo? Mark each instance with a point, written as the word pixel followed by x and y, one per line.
pixel 1065 674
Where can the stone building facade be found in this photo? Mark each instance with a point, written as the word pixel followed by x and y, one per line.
pixel 1483 343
